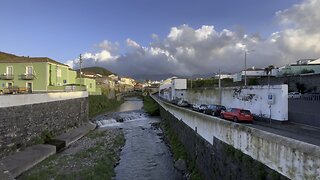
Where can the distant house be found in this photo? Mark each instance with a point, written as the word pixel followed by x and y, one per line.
pixel 173 88
pixel 90 84
pixel 250 73
pixel 39 74
pixel 223 76
pixel 301 66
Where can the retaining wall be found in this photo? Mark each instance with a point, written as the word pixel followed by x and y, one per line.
pixel 291 158
pixel 27 119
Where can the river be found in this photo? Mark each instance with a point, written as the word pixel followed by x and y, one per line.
pixel 144 155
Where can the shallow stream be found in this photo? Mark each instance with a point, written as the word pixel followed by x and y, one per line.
pixel 144 155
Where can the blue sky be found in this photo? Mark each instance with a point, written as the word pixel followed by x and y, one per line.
pixel 62 29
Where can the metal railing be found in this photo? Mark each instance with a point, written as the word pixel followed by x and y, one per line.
pixel 307 97
pixel 27 76
pixel 7 76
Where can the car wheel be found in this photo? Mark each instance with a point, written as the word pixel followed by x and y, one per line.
pixel 222 116
pixel 235 119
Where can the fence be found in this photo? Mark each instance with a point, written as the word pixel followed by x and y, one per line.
pixel 305 110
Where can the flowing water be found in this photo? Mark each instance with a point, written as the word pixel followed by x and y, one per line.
pixel 144 155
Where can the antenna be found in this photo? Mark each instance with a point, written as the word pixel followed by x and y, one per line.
pixel 80 62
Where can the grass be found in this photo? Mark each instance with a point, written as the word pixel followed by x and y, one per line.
pixel 99 104
pixel 96 162
pixel 150 106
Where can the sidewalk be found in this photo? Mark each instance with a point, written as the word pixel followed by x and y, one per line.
pixel 15 164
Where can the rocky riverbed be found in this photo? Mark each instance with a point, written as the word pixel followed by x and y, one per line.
pixel 92 157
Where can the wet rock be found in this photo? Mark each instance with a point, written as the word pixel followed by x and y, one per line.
pixel 119 119
pixel 180 164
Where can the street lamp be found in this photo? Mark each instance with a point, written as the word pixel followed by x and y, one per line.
pixel 245 66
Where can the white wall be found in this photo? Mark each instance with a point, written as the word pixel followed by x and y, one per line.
pixel 253 98
pixel 294 159
pixel 179 83
pixel 25 99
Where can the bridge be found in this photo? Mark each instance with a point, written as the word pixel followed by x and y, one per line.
pixel 288 153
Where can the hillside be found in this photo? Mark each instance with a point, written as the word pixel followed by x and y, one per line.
pixel 4 55
pixel 97 70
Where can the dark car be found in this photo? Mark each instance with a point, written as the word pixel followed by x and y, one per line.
pixel 237 114
pixel 214 110
pixel 202 108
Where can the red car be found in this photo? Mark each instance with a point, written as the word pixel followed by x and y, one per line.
pixel 237 114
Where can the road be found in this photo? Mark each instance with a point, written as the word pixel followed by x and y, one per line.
pixel 300 132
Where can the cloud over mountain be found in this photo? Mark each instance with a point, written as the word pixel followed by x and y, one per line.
pixel 187 50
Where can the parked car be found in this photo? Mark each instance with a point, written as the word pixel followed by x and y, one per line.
pixel 294 95
pixel 195 107
pixel 214 110
pixel 175 101
pixel 237 114
pixel 199 107
pixel 183 103
pixel 202 108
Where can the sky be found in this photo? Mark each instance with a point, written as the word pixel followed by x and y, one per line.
pixel 145 38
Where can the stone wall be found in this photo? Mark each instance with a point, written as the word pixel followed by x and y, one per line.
pixel 291 158
pixel 28 124
pixel 218 160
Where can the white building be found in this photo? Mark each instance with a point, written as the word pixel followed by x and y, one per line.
pixel 250 73
pixel 173 88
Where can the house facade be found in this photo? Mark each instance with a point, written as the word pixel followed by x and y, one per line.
pixel 36 74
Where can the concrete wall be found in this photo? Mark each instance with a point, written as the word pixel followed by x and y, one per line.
pixel 217 160
pixel 291 158
pixel 26 119
pixel 254 98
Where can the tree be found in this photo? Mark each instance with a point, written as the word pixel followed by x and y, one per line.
pixel 269 69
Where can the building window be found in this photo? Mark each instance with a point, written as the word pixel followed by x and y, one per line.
pixel 29 70
pixel 9 70
pixel 90 85
pixel 58 72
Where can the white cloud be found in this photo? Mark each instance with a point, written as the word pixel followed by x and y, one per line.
pixel 187 50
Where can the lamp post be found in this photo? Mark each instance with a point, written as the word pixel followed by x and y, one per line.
pixel 80 62
pixel 245 66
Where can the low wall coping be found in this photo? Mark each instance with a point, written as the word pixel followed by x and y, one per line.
pixel 27 99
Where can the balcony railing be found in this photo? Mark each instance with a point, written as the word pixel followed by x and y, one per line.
pixel 7 76
pixel 27 76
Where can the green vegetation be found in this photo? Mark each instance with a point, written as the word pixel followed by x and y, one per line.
pixel 253 81
pixel 256 169
pixel 211 82
pixel 150 106
pixel 306 71
pixel 179 151
pixel 7 56
pixel 96 161
pixel 99 104
pixel 97 70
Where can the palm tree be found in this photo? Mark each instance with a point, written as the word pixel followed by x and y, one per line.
pixel 268 71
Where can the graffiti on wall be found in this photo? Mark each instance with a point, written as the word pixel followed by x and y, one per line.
pixel 238 94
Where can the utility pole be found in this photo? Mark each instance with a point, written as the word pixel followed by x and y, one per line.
pixel 220 93
pixel 191 81
pixel 80 62
pixel 245 68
